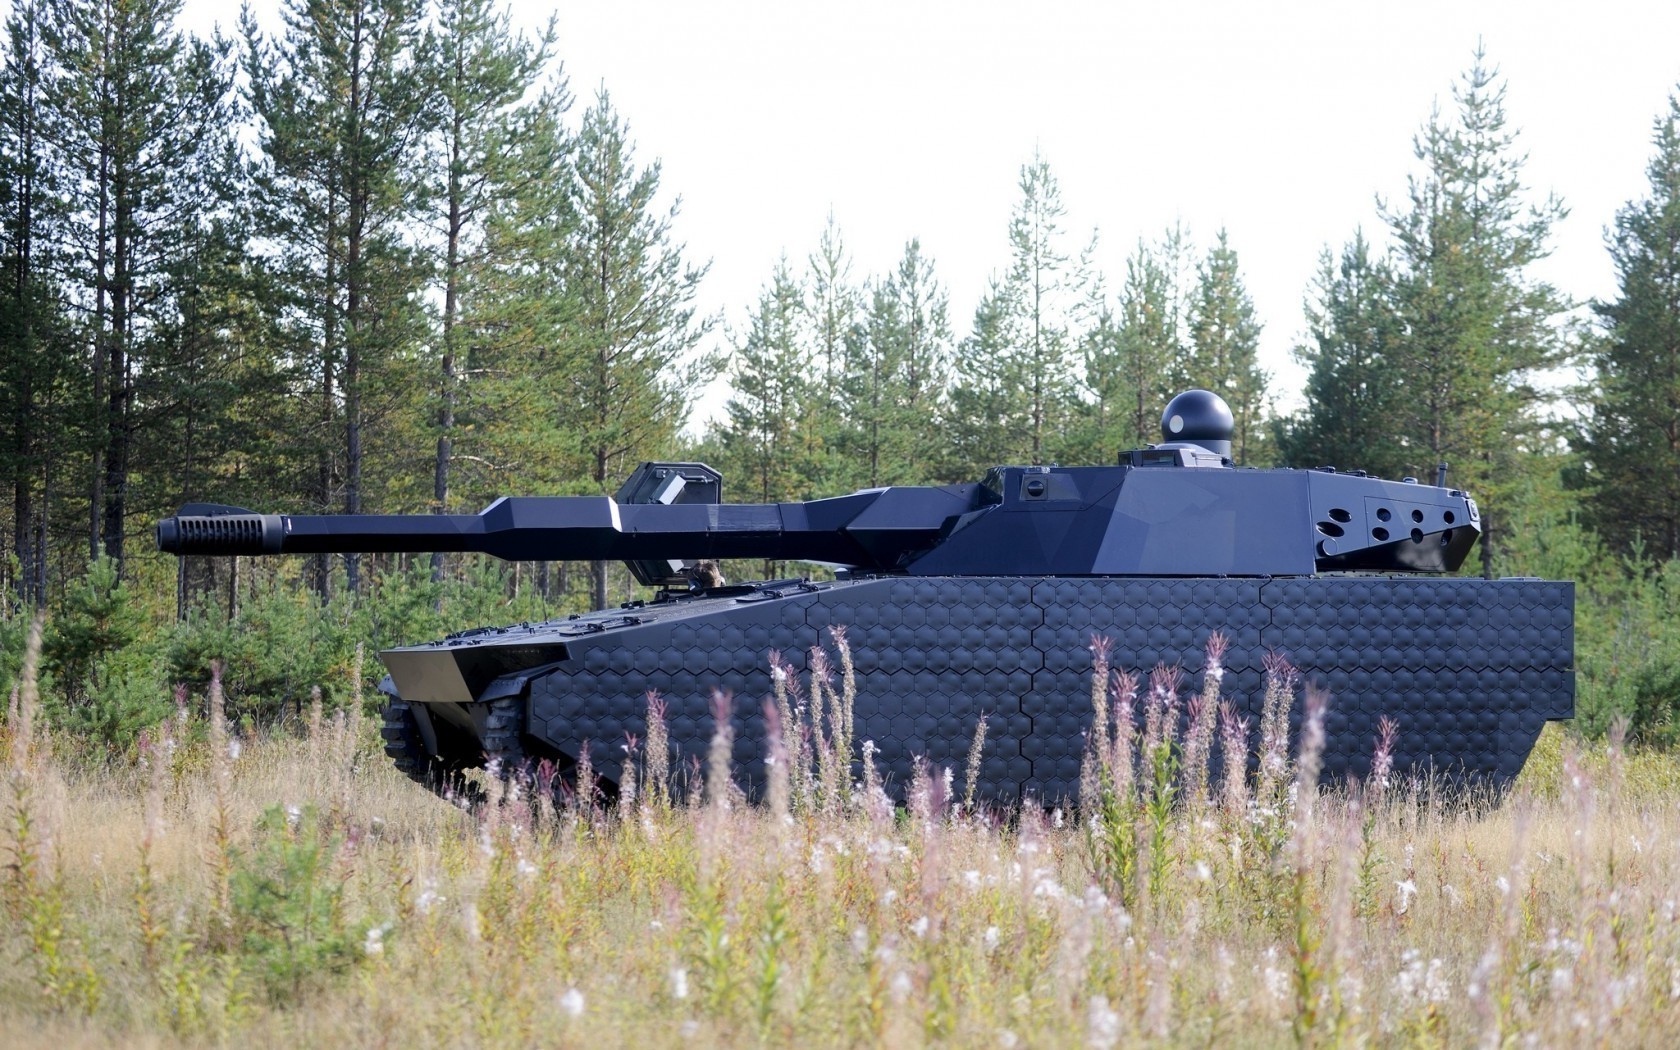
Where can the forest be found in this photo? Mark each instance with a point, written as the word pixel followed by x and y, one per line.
pixel 381 260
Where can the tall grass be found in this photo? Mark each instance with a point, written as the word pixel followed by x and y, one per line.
pixel 233 888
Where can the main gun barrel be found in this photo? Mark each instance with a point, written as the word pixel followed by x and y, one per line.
pixel 584 528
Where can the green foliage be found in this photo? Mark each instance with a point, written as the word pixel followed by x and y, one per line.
pixel 1632 439
pixel 288 903
pixel 1353 392
pixel 103 686
pixel 1224 344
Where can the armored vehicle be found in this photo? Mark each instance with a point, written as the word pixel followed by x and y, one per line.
pixel 977 599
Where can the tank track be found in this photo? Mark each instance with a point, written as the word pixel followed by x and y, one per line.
pixel 503 751
pixel 407 750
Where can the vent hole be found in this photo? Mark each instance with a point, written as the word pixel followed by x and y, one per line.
pixel 1448 517
pixel 1417 516
pixel 1383 514
pixel 1330 528
pixel 1338 514
pixel 1379 533
pixel 1417 535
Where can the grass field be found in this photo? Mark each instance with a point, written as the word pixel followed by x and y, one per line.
pixel 294 890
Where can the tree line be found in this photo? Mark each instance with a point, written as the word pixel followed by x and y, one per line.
pixel 377 260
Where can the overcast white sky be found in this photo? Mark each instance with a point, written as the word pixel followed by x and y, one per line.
pixel 1280 122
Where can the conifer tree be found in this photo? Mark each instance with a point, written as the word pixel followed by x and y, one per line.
pixel 895 375
pixel 1354 393
pixel 634 328
pixel 1015 388
pixel 1134 351
pixel 138 126
pixel 1632 439
pixel 1224 348
pixel 1476 326
pixel 774 379
pixel 833 329
pixel 479 73
pixel 339 105
pixel 37 357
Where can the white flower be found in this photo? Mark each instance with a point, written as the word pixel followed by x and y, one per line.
pixel 1407 890
pixel 920 926
pixel 234 747
pixel 679 983
pixel 1102 1023
pixel 571 1004
pixel 860 941
pixel 1007 1039
pixel 900 986
pixel 971 879
pixel 375 942
pixel 991 938
pixel 1203 872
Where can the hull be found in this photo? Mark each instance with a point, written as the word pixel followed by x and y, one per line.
pixel 1470 669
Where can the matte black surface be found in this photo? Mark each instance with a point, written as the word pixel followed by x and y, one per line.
pixel 1471 669
pixel 1171 510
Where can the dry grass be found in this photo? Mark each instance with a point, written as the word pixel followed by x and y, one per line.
pixel 824 919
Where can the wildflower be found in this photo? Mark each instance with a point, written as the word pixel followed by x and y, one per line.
pixel 571 1004
pixel 900 986
pixel 1203 872
pixel 992 935
pixel 233 749
pixel 1056 818
pixel 1102 1023
pixel 1007 1040
pixel 679 983
pixel 293 815
pixel 1407 890
pixel 920 926
pixel 427 900
pixel 375 942
pixel 860 941
pixel 971 879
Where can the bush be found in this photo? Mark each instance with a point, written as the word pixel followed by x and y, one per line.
pixel 288 903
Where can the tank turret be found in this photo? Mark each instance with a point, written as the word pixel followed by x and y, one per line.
pixel 1174 509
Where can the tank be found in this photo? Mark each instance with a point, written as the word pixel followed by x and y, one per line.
pixel 971 600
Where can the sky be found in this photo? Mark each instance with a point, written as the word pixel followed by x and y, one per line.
pixel 1281 123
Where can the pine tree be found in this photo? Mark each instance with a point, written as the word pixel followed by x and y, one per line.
pixel 895 375
pixel 1224 348
pixel 1476 326
pixel 139 123
pixel 1354 393
pixel 634 328
pixel 479 74
pixel 986 421
pixel 1015 388
pixel 774 379
pixel 37 357
pixel 833 329
pixel 1632 439
pixel 1133 352
pixel 338 99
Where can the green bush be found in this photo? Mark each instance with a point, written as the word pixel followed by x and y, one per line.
pixel 288 903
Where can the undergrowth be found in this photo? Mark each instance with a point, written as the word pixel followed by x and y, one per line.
pixel 223 887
